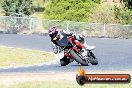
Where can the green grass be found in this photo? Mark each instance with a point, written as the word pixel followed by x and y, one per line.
pixel 63 84
pixel 19 57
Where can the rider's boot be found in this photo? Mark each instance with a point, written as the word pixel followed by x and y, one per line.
pixel 64 61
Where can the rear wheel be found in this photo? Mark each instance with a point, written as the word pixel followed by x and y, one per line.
pixel 93 60
pixel 78 58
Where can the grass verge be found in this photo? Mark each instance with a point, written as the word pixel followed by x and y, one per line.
pixel 19 57
pixel 63 84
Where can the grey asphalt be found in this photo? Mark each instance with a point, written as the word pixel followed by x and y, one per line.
pixel 112 54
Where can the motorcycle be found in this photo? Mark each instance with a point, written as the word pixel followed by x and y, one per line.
pixel 75 50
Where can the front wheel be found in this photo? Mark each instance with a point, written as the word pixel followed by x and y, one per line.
pixel 78 58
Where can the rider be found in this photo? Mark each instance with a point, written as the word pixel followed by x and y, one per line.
pixel 56 35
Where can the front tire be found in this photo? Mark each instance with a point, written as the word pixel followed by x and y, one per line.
pixel 78 59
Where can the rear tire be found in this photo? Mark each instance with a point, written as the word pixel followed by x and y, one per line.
pixel 78 59
pixel 93 60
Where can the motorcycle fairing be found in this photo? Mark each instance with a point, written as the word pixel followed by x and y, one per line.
pixel 79 45
pixel 63 42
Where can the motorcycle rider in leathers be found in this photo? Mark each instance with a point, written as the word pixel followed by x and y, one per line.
pixel 56 35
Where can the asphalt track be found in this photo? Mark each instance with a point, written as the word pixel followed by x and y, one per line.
pixel 112 54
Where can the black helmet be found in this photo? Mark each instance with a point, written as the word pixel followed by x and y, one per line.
pixel 53 32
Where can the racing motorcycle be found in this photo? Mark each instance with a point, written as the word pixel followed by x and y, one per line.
pixel 74 50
